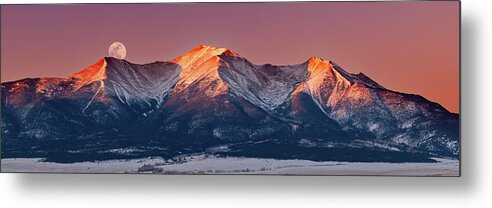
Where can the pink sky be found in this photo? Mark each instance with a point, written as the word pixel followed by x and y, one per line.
pixel 411 47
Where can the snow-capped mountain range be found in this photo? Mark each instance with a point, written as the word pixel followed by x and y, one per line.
pixel 212 100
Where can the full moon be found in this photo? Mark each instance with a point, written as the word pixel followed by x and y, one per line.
pixel 117 50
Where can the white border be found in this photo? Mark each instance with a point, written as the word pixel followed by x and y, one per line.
pixel 473 189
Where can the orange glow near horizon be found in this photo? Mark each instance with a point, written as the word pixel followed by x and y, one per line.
pixel 410 47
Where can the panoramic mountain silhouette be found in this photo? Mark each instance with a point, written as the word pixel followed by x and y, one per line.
pixel 213 101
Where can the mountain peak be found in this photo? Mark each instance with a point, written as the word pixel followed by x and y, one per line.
pixel 203 49
pixel 203 46
pixel 200 54
pixel 317 65
pixel 90 74
pixel 314 59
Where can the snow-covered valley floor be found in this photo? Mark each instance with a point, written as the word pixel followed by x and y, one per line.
pixel 206 164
